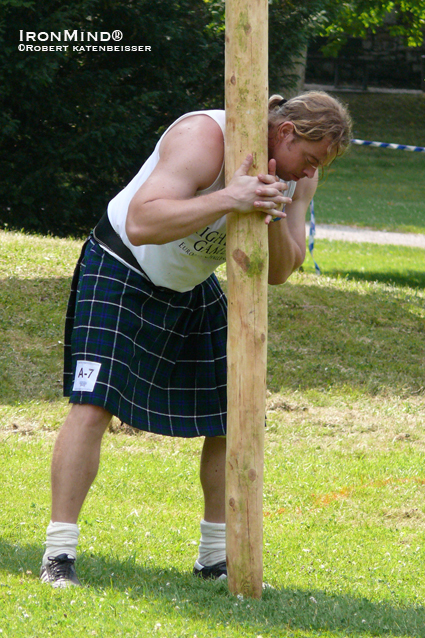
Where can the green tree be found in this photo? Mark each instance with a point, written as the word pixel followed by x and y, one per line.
pixel 337 20
pixel 75 126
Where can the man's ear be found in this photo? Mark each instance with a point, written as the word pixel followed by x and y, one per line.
pixel 284 129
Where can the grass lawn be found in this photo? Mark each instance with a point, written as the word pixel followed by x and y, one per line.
pixel 344 497
pixel 373 187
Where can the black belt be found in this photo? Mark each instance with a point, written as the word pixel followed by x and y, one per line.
pixel 106 236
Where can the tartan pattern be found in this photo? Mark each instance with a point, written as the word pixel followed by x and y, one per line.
pixel 163 353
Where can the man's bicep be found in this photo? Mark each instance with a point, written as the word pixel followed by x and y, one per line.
pixel 166 184
pixel 190 160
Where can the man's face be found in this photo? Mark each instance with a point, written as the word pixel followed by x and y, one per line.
pixel 296 158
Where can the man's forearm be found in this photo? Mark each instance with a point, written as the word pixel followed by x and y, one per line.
pixel 165 220
pixel 285 254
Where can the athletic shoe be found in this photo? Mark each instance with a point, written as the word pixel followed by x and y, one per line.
pixel 59 571
pixel 215 572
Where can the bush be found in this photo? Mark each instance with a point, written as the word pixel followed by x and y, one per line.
pixel 77 125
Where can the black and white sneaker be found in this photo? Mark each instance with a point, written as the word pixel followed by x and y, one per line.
pixel 214 572
pixel 59 571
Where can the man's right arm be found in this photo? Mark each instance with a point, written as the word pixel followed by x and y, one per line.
pixel 165 207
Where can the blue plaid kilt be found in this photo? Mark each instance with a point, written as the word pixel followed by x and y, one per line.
pixel 162 353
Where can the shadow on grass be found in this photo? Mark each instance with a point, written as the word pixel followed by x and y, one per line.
pixel 32 317
pixel 286 610
pixel 412 278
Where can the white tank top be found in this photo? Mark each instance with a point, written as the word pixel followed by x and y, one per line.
pixel 183 263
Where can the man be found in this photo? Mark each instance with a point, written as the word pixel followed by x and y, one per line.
pixel 147 321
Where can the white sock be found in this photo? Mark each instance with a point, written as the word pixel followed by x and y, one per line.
pixel 61 538
pixel 212 547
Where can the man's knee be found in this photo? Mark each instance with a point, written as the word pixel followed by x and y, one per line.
pixel 91 418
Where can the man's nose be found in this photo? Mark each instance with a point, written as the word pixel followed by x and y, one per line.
pixel 309 171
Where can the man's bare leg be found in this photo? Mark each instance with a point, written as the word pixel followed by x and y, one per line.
pixel 76 460
pixel 213 465
pixel 74 468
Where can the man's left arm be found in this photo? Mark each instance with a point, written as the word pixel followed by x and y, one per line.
pixel 287 240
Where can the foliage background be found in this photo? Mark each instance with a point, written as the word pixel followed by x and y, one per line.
pixel 76 126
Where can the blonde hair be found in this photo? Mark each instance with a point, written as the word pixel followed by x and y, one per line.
pixel 315 115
